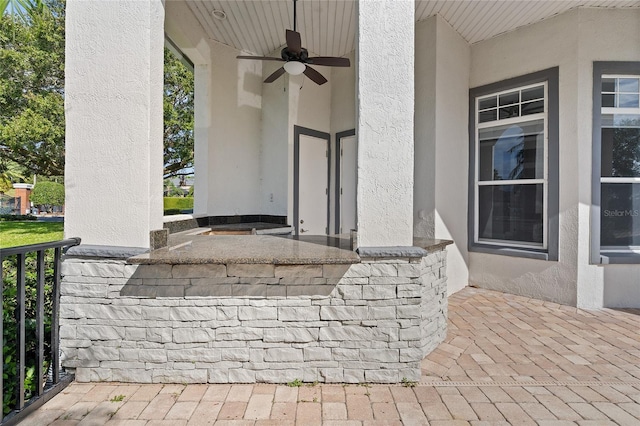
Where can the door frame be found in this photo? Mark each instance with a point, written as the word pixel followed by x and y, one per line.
pixel 339 137
pixel 304 131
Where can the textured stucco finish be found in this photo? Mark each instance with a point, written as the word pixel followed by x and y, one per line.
pixel 114 59
pixel 385 90
pixel 571 41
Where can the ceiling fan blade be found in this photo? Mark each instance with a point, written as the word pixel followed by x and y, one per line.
pixel 294 42
pixel 314 75
pixel 273 77
pixel 261 58
pixel 330 61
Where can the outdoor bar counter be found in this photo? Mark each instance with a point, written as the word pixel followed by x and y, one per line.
pixel 253 308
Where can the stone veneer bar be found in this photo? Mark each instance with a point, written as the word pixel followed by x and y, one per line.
pixel 259 317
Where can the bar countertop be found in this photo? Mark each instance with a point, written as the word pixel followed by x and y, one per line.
pixel 193 247
pixel 190 247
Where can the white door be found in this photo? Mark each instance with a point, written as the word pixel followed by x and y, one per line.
pixel 313 193
pixel 348 176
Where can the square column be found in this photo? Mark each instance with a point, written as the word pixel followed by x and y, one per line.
pixel 385 110
pixel 114 119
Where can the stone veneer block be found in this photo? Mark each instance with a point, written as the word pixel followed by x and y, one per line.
pixel 215 290
pixel 334 271
pixel 251 270
pixel 199 271
pixel 298 271
pixel 309 290
pixel 276 291
pixel 153 271
pixel 249 290
pixel 299 313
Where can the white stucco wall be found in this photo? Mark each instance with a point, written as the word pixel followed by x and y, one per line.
pixel 571 41
pixel 442 81
pixel 113 175
pixel 424 197
pixel 343 96
pixel 312 105
pixel 451 154
pixel 235 134
pixel 385 90
pixel 276 148
pixel 228 114
pixel 343 116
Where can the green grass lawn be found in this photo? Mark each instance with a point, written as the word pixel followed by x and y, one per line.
pixel 29 232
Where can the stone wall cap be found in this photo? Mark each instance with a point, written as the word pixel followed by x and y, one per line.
pixel 421 247
pixel 113 252
pixel 431 245
pixel 392 251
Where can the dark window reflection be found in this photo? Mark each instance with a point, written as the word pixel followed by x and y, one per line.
pixel 510 111
pixel 485 116
pixel 509 98
pixel 511 213
pixel 532 107
pixel 608 101
pixel 620 152
pixel 608 84
pixel 620 214
pixel 533 93
pixel 512 152
pixel 491 102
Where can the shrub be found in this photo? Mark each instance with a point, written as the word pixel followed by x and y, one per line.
pixel 48 194
pixel 16 217
pixel 10 330
pixel 178 203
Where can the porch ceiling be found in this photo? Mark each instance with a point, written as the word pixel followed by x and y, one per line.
pixel 328 26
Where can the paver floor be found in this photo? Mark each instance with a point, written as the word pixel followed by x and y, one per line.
pixel 506 360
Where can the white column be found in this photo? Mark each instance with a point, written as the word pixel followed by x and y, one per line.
pixel 113 103
pixel 385 90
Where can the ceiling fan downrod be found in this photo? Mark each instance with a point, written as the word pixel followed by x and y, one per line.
pixel 295 14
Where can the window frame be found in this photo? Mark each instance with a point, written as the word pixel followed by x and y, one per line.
pixel 548 250
pixel 599 254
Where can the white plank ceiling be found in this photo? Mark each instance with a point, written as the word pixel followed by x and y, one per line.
pixel 328 26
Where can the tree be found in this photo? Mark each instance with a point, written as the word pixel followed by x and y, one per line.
pixel 32 86
pixel 178 116
pixel 22 9
pixel 10 172
pixel 32 92
pixel 47 194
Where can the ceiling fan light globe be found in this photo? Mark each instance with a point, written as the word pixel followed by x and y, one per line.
pixel 294 67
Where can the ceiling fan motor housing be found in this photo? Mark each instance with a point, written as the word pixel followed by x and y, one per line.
pixel 288 55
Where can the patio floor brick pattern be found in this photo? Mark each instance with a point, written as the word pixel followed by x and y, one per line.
pixel 506 360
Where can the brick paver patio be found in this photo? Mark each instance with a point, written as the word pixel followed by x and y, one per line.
pixel 506 360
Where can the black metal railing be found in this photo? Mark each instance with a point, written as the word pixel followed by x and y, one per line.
pixel 34 303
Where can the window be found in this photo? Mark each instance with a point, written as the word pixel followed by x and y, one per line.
pixel 513 168
pixel 616 233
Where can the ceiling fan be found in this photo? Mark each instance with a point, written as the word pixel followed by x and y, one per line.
pixel 296 58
